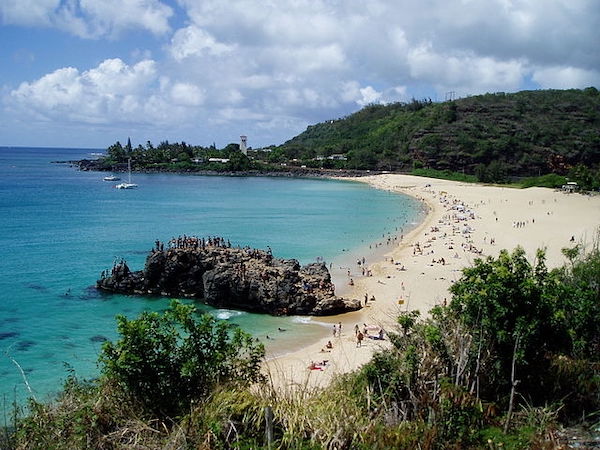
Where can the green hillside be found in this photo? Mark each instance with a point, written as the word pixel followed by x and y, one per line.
pixel 522 134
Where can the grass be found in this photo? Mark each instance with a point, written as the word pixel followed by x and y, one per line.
pixel 550 180
pixel 445 175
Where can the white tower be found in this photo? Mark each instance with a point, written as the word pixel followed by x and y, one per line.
pixel 243 147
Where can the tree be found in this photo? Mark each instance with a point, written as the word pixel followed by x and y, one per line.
pixel 231 148
pixel 497 172
pixel 407 320
pixel 586 178
pixel 166 361
pixel 577 296
pixel 238 161
pixel 504 302
pixel 116 152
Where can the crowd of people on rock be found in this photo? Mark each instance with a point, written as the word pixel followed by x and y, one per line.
pixel 191 242
pixel 119 266
pixel 240 265
pixel 194 242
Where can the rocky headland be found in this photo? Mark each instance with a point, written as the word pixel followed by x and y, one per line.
pixel 230 277
pixel 99 165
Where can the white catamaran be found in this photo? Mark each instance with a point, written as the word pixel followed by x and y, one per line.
pixel 129 184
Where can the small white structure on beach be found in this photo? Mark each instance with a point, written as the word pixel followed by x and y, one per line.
pixel 571 186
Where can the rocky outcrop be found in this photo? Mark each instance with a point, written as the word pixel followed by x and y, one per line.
pixel 222 276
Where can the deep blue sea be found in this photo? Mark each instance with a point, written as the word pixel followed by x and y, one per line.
pixel 61 227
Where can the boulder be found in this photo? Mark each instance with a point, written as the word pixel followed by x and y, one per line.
pixel 239 278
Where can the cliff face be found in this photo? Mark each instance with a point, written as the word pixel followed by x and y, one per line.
pixel 246 279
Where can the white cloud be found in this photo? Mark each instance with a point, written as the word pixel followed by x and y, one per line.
pixel 151 15
pixel 89 18
pixel 321 54
pixel 114 77
pixel 27 12
pixel 303 60
pixel 566 77
pixel 237 61
pixel 352 92
pixel 465 73
pixel 226 115
pixel 187 94
pixel 368 96
pixel 193 41
pixel 113 92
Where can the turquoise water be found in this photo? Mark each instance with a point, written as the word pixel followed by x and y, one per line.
pixel 62 227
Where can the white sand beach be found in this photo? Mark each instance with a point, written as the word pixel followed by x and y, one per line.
pixel 465 221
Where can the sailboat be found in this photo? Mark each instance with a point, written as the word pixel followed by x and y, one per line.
pixel 129 184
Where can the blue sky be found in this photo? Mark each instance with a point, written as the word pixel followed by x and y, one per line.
pixel 85 73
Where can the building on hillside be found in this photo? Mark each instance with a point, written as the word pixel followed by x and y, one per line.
pixel 244 145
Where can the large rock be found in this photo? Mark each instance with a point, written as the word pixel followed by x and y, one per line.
pixel 238 278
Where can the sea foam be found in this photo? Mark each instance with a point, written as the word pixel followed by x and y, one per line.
pixel 226 314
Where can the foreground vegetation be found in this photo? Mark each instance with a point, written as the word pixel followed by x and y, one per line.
pixel 511 359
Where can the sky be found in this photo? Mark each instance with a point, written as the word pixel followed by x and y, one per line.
pixel 86 73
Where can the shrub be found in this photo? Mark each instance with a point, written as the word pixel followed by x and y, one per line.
pixel 550 180
pixel 169 361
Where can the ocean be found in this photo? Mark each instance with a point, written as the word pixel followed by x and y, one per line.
pixel 60 228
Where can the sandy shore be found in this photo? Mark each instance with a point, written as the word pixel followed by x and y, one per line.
pixel 465 221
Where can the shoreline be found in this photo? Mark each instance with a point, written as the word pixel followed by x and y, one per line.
pixel 373 252
pixel 465 221
pixel 92 165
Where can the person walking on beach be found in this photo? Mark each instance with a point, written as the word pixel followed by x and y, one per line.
pixel 340 329
pixel 359 339
pixel 334 330
pixel 356 330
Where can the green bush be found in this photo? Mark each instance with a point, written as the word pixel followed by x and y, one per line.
pixel 444 174
pixel 550 180
pixel 169 361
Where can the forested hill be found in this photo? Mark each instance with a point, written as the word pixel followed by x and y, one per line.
pixel 494 135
